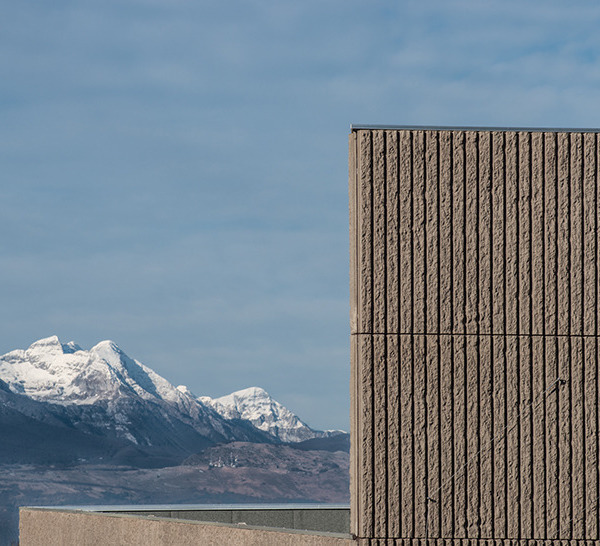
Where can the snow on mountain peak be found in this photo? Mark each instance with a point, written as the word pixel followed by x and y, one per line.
pixel 71 347
pixel 104 389
pixel 185 390
pixel 257 406
pixel 49 371
pixel 252 392
pixel 65 374
pixel 52 345
pixel 106 348
pixel 48 345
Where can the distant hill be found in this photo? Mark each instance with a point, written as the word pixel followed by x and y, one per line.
pixel 337 442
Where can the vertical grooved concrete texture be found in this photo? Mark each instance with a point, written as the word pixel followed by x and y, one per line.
pixel 474 322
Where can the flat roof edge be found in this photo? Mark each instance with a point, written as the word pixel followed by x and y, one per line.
pixel 192 507
pixel 360 126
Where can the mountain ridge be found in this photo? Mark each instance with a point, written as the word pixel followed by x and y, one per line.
pixel 102 392
pixel 257 406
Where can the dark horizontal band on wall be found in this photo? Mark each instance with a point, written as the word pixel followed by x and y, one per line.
pixel 366 127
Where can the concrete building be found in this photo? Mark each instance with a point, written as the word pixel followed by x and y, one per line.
pixel 474 334
pixel 474 314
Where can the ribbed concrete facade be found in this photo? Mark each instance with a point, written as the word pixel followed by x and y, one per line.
pixel 474 319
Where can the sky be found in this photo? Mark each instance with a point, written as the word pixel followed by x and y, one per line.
pixel 174 172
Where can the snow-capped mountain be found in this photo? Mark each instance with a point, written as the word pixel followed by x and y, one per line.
pixel 257 406
pixel 102 392
pixel 66 374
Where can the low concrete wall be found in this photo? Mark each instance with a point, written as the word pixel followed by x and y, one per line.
pixel 52 527
pixel 322 518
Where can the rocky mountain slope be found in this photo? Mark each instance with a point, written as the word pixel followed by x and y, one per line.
pixel 65 399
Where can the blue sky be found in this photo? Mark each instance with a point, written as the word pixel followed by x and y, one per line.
pixel 174 173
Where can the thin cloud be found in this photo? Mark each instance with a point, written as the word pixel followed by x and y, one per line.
pixel 175 173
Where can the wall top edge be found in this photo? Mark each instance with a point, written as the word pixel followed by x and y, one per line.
pixel 193 507
pixel 358 127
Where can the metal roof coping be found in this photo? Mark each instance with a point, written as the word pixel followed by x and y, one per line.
pixel 359 126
